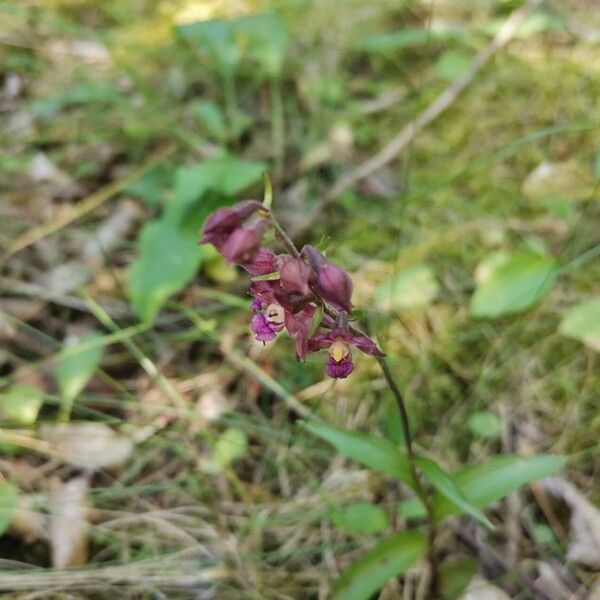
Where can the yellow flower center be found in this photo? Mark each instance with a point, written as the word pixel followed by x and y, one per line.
pixel 338 351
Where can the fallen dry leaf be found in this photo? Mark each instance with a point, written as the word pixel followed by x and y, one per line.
pixel 88 445
pixel 69 528
pixel 480 589
pixel 584 545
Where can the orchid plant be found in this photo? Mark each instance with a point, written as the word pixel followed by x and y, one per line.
pixel 302 292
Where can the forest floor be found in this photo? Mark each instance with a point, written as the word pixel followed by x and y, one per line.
pixel 146 440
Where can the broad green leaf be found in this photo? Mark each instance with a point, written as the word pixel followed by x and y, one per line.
pixel 514 286
pixel 216 37
pixel 152 186
pixel 391 557
pixel 415 286
pixel 167 260
pixel 264 37
pixel 582 323
pixel 485 424
pixel 453 64
pixel 9 504
pixel 373 452
pixel 455 575
pixel 77 364
pixel 212 119
pixel 361 517
pixel 230 446
pixel 22 403
pixel 482 485
pixel 444 484
pixel 224 176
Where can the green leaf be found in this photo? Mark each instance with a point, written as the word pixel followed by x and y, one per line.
pixel 316 320
pixel 485 424
pixel 167 260
pixel 9 504
pixel 443 482
pixel 514 286
pixel 22 403
pixel 212 120
pixel 77 364
pixel 230 446
pixel 455 575
pixel 453 64
pixel 361 517
pixel 415 286
pixel 216 37
pixel 482 485
pixel 223 175
pixel 152 186
pixel 582 323
pixel 265 39
pixel 391 421
pixel 372 452
pixel 391 557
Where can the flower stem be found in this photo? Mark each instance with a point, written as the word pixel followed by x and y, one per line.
pixel 419 489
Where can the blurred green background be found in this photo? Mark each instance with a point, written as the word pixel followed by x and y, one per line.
pixel 146 440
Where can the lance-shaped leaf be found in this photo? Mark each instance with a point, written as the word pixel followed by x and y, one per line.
pixel 444 484
pixel 391 557
pixel 373 452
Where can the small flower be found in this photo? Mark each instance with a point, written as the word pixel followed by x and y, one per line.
pixel 241 247
pixel 339 341
pixel 266 325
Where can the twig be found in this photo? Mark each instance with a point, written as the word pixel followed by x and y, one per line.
pixel 398 143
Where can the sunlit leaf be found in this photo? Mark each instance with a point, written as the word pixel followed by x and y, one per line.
pixel 412 287
pixel 485 424
pixel 373 452
pixel 361 517
pixel 77 365
pixel 391 557
pixel 582 323
pixel 517 284
pixel 230 446
pixel 453 64
pixel 22 403
pixel 167 260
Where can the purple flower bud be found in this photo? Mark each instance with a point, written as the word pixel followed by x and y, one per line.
pixel 339 369
pixel 245 208
pixel 294 275
pixel 264 263
pixel 315 258
pixel 335 286
pixel 241 246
